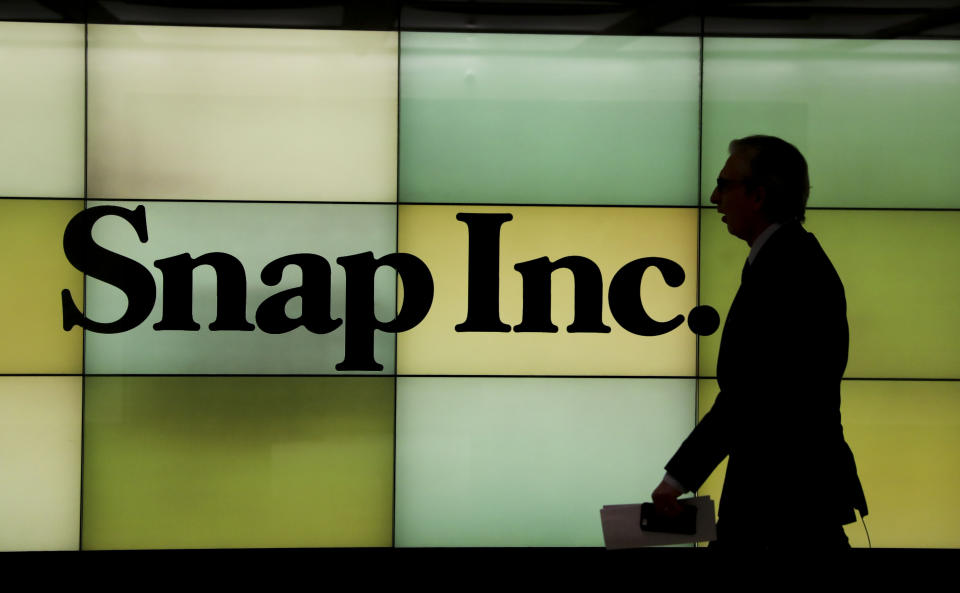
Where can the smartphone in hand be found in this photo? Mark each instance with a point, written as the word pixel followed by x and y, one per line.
pixel 652 520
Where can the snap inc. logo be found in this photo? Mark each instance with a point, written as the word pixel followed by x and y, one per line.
pixel 359 320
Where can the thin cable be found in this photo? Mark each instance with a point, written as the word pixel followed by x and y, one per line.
pixel 865 530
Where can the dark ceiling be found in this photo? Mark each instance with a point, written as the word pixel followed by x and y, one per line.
pixel 881 19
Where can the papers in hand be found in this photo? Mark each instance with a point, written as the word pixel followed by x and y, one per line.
pixel 621 526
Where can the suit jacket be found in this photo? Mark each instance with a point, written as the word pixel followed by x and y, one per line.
pixel 782 355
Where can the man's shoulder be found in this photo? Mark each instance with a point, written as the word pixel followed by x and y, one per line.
pixel 794 260
pixel 793 244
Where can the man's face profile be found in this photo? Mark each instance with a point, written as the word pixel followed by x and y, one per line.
pixel 739 205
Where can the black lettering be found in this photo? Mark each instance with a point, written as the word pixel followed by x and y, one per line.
pixel 178 292
pixel 133 279
pixel 624 296
pixel 314 293
pixel 483 272
pixel 360 320
pixel 587 300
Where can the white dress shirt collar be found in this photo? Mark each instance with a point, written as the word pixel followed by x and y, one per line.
pixel 760 240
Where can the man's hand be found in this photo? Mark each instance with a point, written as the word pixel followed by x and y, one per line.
pixel 665 499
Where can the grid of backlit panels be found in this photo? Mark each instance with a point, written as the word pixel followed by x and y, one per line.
pixel 285 152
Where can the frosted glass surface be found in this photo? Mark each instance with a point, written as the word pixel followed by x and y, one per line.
pixel 256 234
pixel 242 114
pixel 707 392
pixel 897 271
pixel 610 237
pixel 39 463
pixel 181 462
pixel 529 462
pixel 33 271
pixel 877 120
pixel 906 436
pixel 41 110
pixel 562 119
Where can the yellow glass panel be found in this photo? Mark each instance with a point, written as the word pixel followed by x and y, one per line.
pixel 41 110
pixel 40 463
pixel 242 114
pixel 707 391
pixel 897 271
pixel 212 462
pixel 34 271
pixel 905 436
pixel 906 439
pixel 610 237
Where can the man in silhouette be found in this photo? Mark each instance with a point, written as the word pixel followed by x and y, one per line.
pixel 782 354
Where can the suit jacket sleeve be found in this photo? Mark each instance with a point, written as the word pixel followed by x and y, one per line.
pixel 704 449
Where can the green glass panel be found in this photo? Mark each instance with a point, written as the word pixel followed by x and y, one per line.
pixel 188 462
pixel 897 271
pixel 906 437
pixel 256 234
pixel 242 114
pixel 41 110
pixel 529 462
pixel 33 271
pixel 721 259
pixel 877 120
pixel 39 463
pixel 548 119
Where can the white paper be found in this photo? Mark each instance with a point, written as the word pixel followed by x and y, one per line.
pixel 621 526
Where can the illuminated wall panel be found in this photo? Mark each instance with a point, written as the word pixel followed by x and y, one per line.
pixel 260 114
pixel 906 438
pixel 547 126
pixel 255 234
pixel 39 463
pixel 721 260
pixel 611 237
pixel 41 110
pixel 182 462
pixel 707 392
pixel 876 120
pixel 896 268
pixel 905 435
pixel 34 271
pixel 552 119
pixel 529 462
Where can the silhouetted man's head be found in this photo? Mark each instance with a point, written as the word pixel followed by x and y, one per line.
pixel 777 166
pixel 765 180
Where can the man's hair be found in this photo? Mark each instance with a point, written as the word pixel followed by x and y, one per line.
pixel 777 166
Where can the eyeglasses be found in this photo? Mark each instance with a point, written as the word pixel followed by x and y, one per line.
pixel 727 184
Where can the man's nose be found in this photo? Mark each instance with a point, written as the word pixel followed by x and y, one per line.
pixel 714 199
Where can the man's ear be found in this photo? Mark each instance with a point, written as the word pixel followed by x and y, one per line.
pixel 758 197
